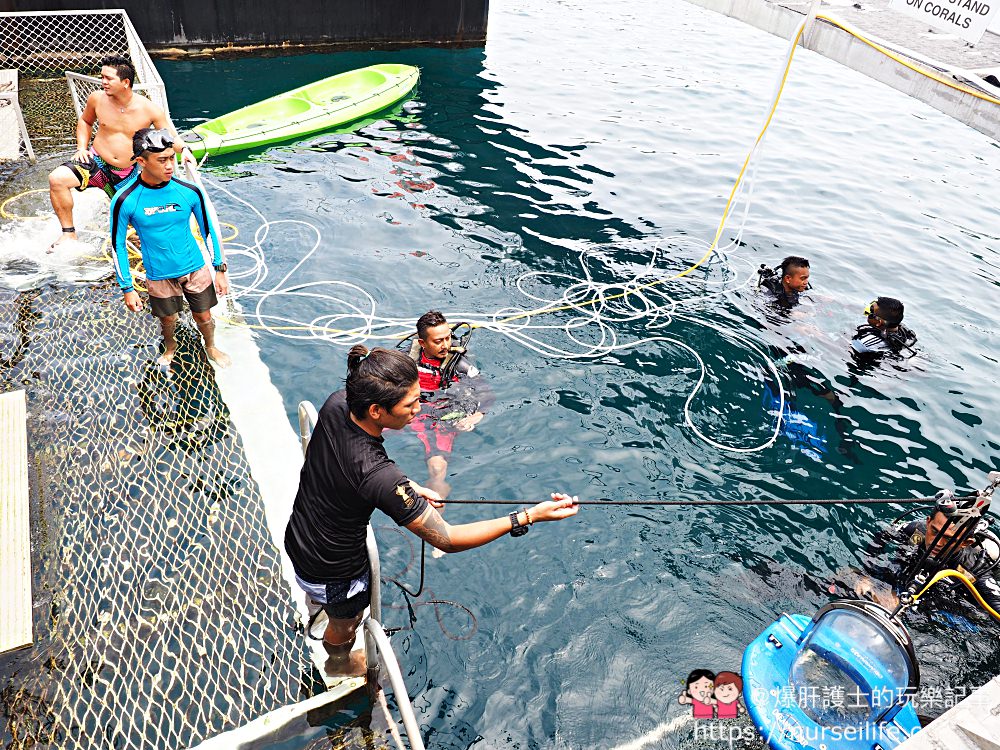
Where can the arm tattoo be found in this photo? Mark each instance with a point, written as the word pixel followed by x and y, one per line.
pixel 432 528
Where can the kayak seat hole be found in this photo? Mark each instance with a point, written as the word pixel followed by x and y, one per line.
pixel 215 127
pixel 265 117
pixel 349 85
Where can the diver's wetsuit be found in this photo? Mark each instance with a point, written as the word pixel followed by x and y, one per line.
pixel 872 341
pixel 910 541
pixel 434 427
pixel 777 289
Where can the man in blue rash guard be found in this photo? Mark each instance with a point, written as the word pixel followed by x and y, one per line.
pixel 160 209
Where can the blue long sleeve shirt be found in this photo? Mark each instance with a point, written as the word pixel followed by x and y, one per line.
pixel 162 217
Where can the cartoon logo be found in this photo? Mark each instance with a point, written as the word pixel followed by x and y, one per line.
pixel 711 695
pixel 169 208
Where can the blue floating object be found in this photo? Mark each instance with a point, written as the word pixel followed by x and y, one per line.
pixel 955 621
pixel 842 679
pixel 796 426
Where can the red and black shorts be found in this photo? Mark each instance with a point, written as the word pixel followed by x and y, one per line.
pixel 438 436
pixel 98 173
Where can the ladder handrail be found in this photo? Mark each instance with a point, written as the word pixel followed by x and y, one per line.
pixel 374 629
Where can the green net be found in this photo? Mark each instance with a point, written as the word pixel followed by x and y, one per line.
pixel 161 616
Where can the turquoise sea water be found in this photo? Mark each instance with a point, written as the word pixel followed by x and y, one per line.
pixel 606 130
pixel 595 128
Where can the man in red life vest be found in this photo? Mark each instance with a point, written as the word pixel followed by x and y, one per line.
pixel 440 366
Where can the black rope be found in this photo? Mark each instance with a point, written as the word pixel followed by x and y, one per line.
pixel 420 586
pixel 414 595
pixel 608 501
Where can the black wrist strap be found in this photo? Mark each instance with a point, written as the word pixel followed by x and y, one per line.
pixel 516 529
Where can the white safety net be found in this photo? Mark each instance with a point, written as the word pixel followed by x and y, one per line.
pixel 43 46
pixel 161 615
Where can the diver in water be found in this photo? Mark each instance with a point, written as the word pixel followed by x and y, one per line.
pixel 884 332
pixel 787 281
pixel 945 539
pixel 442 366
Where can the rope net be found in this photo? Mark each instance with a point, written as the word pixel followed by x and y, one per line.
pixel 43 45
pixel 161 617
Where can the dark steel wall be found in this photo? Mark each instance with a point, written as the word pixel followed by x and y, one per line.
pixel 183 23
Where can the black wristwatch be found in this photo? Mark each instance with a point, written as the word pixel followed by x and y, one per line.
pixel 516 529
pixel 222 267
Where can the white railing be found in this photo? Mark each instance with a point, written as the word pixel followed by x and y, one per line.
pixel 376 641
pixel 14 140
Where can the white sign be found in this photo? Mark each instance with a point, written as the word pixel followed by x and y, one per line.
pixel 967 19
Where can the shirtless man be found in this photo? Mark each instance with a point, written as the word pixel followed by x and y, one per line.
pixel 119 112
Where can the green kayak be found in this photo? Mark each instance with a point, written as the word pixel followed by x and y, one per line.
pixel 321 105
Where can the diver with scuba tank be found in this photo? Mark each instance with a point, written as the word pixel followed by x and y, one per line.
pixel 884 332
pixel 786 281
pixel 453 403
pixel 956 535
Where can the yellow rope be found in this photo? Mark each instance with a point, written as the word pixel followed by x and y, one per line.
pixel 941 575
pixel 14 217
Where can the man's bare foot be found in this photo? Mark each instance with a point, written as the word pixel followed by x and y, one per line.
pixel 64 237
pixel 347 664
pixel 165 359
pixel 219 357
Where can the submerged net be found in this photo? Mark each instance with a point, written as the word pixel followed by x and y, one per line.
pixel 161 616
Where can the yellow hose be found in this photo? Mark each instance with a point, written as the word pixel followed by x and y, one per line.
pixel 941 575
pixel 14 217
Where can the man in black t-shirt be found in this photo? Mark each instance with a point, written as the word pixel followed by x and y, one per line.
pixel 347 475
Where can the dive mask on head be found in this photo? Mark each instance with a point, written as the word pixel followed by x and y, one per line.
pixel 869 310
pixel 153 141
